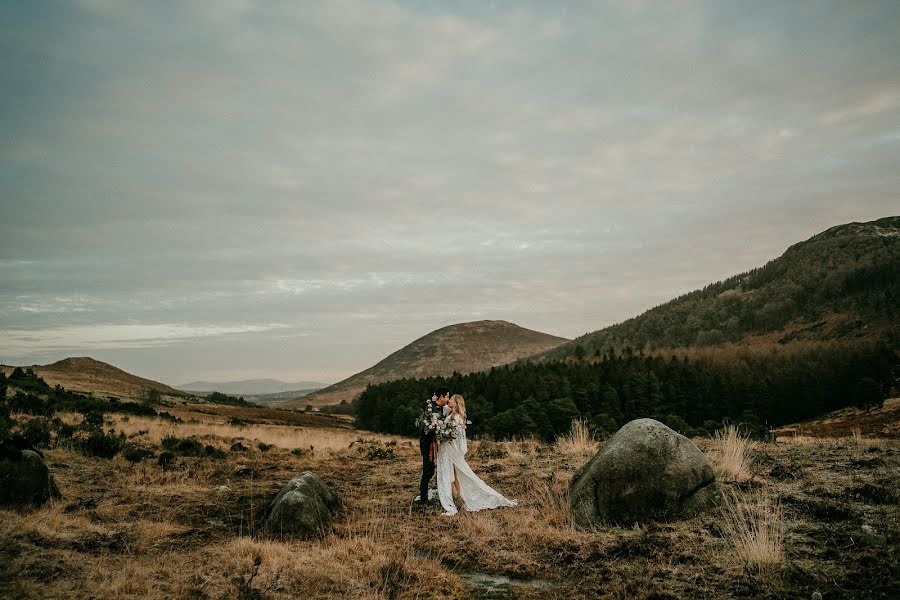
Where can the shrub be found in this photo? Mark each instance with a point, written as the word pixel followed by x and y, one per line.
pixel 182 446
pixel 264 447
pixel 135 454
pixel 33 433
pixel 96 442
pixel 380 453
pixel 165 459
pixel 213 452
pixel 6 422
pixel 30 404
pixel 92 419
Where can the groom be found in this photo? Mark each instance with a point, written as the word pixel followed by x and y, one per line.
pixel 437 404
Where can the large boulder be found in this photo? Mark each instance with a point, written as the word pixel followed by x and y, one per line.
pixel 304 508
pixel 644 472
pixel 25 479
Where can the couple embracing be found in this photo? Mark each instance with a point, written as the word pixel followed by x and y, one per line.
pixel 442 440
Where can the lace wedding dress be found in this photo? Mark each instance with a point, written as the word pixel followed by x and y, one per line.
pixel 475 493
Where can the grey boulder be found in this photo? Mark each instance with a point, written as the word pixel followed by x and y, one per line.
pixel 644 472
pixel 304 508
pixel 25 479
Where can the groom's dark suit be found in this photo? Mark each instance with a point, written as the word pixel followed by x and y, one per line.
pixel 428 465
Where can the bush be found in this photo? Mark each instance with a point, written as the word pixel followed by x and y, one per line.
pixel 182 446
pixel 166 416
pixel 96 442
pixel 33 433
pixel 264 447
pixel 213 452
pixel 135 454
pixel 30 404
pixel 380 453
pixel 92 419
pixel 165 460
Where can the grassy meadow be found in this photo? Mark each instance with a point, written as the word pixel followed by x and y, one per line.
pixel 802 515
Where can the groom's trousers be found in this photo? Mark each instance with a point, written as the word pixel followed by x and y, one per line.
pixel 428 467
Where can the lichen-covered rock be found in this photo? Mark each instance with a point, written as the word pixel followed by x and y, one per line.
pixel 25 479
pixel 304 508
pixel 644 472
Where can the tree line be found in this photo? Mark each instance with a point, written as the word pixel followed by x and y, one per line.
pixel 693 396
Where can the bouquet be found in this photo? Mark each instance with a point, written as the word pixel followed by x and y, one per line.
pixel 444 428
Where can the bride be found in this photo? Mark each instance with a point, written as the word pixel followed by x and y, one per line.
pixel 455 477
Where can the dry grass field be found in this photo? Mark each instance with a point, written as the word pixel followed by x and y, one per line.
pixel 803 515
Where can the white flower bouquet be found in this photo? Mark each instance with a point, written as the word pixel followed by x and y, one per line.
pixel 444 428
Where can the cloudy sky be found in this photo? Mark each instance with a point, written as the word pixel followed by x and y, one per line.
pixel 235 189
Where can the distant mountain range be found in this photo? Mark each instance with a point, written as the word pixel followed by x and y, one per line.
pixel 843 283
pixel 251 387
pixel 86 375
pixel 463 348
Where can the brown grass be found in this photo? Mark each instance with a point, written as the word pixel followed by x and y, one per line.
pixel 183 532
pixel 579 441
pixel 753 526
pixel 154 429
pixel 731 454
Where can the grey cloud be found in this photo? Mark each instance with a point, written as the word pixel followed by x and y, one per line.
pixel 363 173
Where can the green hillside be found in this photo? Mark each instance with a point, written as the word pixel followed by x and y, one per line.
pixel 842 283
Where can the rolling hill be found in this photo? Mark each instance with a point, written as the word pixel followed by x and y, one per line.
pixel 463 348
pixel 843 283
pixel 86 375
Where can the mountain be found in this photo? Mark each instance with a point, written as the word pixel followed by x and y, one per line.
pixel 250 387
pixel 843 283
pixel 463 348
pixel 86 375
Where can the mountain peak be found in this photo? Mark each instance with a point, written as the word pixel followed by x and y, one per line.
pixel 88 375
pixel 461 347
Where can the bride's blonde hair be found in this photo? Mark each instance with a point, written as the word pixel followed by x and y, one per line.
pixel 460 406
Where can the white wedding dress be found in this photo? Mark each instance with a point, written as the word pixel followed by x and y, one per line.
pixel 475 493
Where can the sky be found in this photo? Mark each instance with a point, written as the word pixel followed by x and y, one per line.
pixel 234 189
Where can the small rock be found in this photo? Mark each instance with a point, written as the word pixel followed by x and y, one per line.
pixel 304 508
pixel 223 488
pixel 816 596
